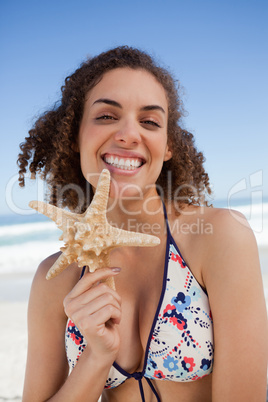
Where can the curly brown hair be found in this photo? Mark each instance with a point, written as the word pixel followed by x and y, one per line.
pixel 50 148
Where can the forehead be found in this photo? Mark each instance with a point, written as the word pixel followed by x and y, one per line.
pixel 126 84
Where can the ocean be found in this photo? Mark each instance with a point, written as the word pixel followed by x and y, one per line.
pixel 26 240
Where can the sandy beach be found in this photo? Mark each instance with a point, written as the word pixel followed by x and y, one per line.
pixel 14 293
pixel 13 350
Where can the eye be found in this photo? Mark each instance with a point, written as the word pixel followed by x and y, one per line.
pixel 105 117
pixel 151 122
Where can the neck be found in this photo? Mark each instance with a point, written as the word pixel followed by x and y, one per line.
pixel 146 216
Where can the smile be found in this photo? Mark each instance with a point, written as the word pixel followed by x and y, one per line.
pixel 123 163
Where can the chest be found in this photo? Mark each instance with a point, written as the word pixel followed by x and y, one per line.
pixel 140 285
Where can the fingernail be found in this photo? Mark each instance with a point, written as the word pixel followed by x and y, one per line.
pixel 116 269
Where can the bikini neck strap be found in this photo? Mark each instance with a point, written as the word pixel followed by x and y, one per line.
pixel 165 215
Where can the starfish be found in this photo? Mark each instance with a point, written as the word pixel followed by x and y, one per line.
pixel 89 237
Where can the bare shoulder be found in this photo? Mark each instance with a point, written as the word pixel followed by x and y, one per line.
pixel 228 228
pixel 46 264
pixel 231 249
pixel 212 228
pixel 215 240
pixel 53 291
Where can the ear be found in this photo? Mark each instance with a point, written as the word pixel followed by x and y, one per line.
pixel 168 154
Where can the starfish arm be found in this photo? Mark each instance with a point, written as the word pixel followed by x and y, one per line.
pixel 59 265
pixel 95 262
pixel 58 215
pixel 100 199
pixel 101 261
pixel 110 282
pixel 122 237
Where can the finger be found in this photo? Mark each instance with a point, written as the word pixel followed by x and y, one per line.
pixel 95 292
pixel 106 315
pixel 91 324
pixel 89 279
pixel 73 305
pixel 93 307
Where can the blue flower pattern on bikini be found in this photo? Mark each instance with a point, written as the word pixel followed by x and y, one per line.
pixel 183 327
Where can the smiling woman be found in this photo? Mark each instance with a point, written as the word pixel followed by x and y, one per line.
pixel 52 143
pixel 176 327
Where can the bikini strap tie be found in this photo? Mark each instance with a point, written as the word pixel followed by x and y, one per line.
pixel 138 375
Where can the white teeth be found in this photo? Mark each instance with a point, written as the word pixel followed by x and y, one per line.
pixel 125 164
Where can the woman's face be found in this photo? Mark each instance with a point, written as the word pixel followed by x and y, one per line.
pixel 124 129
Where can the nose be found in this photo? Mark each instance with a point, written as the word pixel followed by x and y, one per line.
pixel 128 134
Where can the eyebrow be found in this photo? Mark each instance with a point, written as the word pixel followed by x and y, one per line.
pixel 108 102
pixel 116 104
pixel 153 107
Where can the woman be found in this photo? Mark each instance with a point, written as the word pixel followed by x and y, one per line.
pixel 187 321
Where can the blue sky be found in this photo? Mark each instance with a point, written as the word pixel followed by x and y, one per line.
pixel 217 49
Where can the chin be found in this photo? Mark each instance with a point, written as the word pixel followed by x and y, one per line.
pixel 126 191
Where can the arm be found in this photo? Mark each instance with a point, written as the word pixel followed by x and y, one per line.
pixel 46 375
pixel 233 279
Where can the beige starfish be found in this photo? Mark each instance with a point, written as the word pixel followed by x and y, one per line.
pixel 89 237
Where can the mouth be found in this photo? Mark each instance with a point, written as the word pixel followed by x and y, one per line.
pixel 123 163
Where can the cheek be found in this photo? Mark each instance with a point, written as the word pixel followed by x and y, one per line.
pixel 84 138
pixel 89 139
pixel 159 147
pixel 158 155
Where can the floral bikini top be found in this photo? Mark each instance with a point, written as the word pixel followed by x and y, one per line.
pixel 180 343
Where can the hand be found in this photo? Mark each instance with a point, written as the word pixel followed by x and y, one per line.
pixel 96 310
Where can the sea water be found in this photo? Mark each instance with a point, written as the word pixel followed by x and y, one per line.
pixel 26 240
